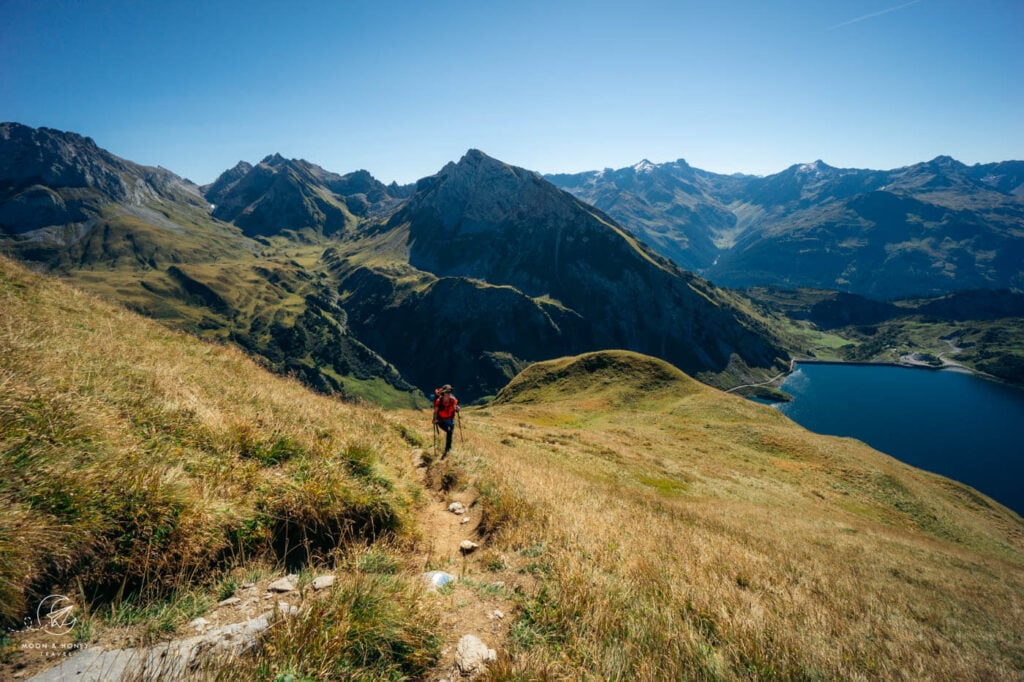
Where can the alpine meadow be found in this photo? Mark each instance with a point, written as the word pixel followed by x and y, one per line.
pixel 218 460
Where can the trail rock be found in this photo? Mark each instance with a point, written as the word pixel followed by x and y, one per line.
pixel 457 508
pixel 322 582
pixel 419 458
pixel 199 624
pixel 230 601
pixel 285 584
pixel 438 578
pixel 177 659
pixel 467 546
pixel 465 519
pixel 472 655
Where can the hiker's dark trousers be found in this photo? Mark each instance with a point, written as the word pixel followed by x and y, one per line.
pixel 448 426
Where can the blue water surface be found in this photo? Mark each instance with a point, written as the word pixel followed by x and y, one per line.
pixel 949 422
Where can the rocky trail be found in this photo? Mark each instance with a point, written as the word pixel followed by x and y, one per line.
pixel 477 599
pixel 473 589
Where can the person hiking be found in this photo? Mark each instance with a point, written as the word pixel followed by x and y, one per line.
pixel 446 407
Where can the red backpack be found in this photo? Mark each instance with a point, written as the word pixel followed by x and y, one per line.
pixel 445 409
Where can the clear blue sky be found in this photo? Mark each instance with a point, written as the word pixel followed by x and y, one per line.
pixel 401 88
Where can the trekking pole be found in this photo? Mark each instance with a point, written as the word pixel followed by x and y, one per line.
pixel 462 435
pixel 435 440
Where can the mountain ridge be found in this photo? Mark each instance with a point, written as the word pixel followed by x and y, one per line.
pixel 312 262
pixel 483 220
pixel 929 228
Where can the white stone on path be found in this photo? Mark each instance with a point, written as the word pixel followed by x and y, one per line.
pixel 472 655
pixel 457 508
pixel 285 584
pixel 322 582
pixel 467 546
pixel 199 624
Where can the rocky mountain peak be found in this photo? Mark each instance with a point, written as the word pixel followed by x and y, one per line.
pixel 946 162
pixel 274 160
pixel 480 191
pixel 50 177
pixel 56 159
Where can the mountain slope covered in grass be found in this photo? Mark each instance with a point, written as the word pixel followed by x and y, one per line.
pixel 981 330
pixel 694 535
pixel 641 524
pixel 145 472
pixel 146 238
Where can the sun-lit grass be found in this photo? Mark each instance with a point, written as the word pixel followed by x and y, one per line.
pixel 138 463
pixel 694 535
pixel 646 526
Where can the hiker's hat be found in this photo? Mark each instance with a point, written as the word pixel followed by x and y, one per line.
pixel 447 388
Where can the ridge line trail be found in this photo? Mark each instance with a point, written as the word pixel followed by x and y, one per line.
pixel 467 605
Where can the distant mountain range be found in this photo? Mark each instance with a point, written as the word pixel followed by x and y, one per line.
pixel 365 289
pixel 926 229
pixel 382 291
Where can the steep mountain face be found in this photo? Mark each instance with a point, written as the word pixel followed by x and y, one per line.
pixel 281 194
pixel 65 201
pixel 930 228
pixel 561 277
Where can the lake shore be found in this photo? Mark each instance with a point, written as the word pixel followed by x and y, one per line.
pixel 905 361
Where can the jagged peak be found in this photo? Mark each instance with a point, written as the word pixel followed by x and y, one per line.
pixel 474 156
pixel 274 159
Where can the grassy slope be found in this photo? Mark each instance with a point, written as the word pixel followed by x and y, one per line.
pixel 694 535
pixel 661 529
pixel 228 287
pixel 138 464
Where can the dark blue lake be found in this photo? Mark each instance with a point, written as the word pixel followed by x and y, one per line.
pixel 951 423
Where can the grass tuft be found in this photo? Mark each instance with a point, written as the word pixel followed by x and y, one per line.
pixel 370 627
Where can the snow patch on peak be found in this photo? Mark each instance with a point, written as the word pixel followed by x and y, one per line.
pixel 644 166
pixel 816 168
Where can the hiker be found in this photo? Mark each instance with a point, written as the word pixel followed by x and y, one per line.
pixel 446 406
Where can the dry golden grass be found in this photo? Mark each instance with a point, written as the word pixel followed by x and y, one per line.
pixel 137 463
pixel 658 529
pixel 690 534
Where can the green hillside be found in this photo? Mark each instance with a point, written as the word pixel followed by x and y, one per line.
pixel 633 523
pixel 694 535
pixel 148 474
